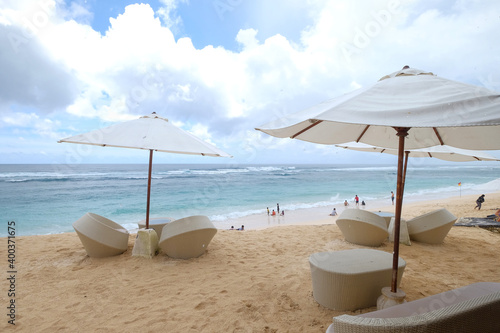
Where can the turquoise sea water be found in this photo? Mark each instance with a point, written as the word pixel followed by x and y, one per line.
pixel 45 199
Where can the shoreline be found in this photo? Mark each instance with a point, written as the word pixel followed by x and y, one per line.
pixel 320 215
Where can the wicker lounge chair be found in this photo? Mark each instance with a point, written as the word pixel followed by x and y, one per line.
pixel 432 227
pixel 362 227
pixel 187 237
pixel 100 236
pixel 473 308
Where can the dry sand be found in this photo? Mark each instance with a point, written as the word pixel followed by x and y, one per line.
pixel 250 281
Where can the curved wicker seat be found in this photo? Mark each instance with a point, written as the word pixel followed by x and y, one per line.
pixel 187 237
pixel 362 227
pixel 100 236
pixel 432 227
pixel 473 308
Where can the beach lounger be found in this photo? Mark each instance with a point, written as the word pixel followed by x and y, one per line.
pixel 473 308
pixel 362 227
pixel 432 227
pixel 100 236
pixel 488 222
pixel 187 237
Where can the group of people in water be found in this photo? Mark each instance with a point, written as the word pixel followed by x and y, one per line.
pixel 356 201
pixel 269 213
pixel 273 213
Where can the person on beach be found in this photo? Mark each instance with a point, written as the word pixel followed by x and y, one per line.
pixel 267 211
pixel 392 197
pixel 346 203
pixel 282 213
pixel 334 212
pixel 363 204
pixel 242 228
pixel 479 202
pixel 356 199
pixel 278 207
pixel 274 213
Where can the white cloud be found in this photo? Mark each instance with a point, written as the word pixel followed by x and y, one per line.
pixel 30 77
pixel 247 38
pixel 168 13
pixel 19 119
pixel 31 123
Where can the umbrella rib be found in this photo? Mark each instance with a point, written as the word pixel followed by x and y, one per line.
pixel 438 136
pixel 363 133
pixel 306 129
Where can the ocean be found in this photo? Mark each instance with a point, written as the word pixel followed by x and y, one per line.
pixel 47 199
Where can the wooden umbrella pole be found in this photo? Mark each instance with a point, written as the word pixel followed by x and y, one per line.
pixel 149 186
pixel 401 133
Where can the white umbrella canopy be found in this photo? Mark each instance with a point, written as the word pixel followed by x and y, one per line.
pixel 437 109
pixel 152 133
pixel 422 109
pixel 446 153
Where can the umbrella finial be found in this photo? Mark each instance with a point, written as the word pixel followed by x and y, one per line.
pixel 154 115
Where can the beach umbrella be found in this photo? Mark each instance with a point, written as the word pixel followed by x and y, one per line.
pixel 408 109
pixel 446 153
pixel 152 133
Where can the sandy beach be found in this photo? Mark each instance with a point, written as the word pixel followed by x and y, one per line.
pixel 251 281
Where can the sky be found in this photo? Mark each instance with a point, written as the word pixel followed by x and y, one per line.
pixel 219 68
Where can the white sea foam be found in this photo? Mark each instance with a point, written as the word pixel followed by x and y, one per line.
pixel 492 186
